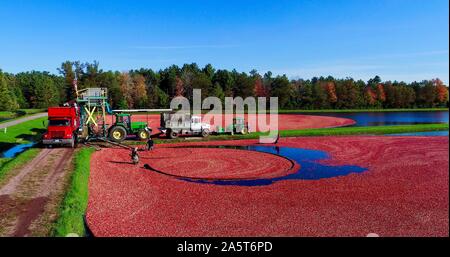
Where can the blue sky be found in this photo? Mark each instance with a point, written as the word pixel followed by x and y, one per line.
pixel 396 39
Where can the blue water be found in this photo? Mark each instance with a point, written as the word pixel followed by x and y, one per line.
pixel 310 168
pixel 392 118
pixel 15 150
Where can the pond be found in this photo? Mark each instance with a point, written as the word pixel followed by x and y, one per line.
pixel 310 166
pixel 391 118
pixel 15 150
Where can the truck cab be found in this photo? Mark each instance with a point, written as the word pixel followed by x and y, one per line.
pixel 196 123
pixel 63 123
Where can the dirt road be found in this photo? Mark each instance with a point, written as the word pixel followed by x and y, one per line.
pixel 20 120
pixel 30 195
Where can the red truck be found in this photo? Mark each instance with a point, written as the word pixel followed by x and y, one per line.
pixel 63 123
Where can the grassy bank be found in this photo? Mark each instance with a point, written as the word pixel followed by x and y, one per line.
pixel 364 110
pixel 23 132
pixel 8 164
pixel 372 130
pixel 73 207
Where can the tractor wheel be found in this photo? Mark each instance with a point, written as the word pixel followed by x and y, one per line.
pixel 143 134
pixel 117 134
pixel 244 131
pixel 172 134
pixel 205 133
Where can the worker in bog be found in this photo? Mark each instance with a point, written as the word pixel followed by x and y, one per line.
pixel 134 155
pixel 150 144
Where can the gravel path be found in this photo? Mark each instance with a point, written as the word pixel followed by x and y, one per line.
pixel 29 199
pixel 20 120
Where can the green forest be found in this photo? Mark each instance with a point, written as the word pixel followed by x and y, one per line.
pixel 147 88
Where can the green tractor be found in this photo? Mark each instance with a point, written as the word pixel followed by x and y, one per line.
pixel 123 126
pixel 239 126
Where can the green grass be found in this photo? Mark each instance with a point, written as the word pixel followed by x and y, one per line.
pixel 23 132
pixel 21 112
pixel 29 111
pixel 73 207
pixel 11 115
pixel 7 114
pixel 372 130
pixel 8 164
pixel 364 110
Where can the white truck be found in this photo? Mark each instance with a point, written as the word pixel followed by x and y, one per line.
pixel 174 124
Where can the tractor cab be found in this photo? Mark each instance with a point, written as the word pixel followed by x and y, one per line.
pixel 123 119
pixel 240 126
pixel 239 121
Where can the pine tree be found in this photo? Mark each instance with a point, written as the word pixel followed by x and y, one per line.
pixel 218 92
pixel 7 102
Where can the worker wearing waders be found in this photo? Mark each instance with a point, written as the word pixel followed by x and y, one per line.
pixel 278 138
pixel 134 155
pixel 149 144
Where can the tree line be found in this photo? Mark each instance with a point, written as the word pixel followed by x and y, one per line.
pixel 147 88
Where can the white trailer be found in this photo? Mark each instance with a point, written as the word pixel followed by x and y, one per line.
pixel 175 124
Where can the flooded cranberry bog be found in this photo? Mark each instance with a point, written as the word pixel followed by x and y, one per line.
pixel 310 186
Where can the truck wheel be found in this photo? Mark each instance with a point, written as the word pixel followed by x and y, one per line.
pixel 205 133
pixel 172 134
pixel 72 142
pixel 117 134
pixel 143 134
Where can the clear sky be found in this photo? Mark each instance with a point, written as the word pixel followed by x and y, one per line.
pixel 396 39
